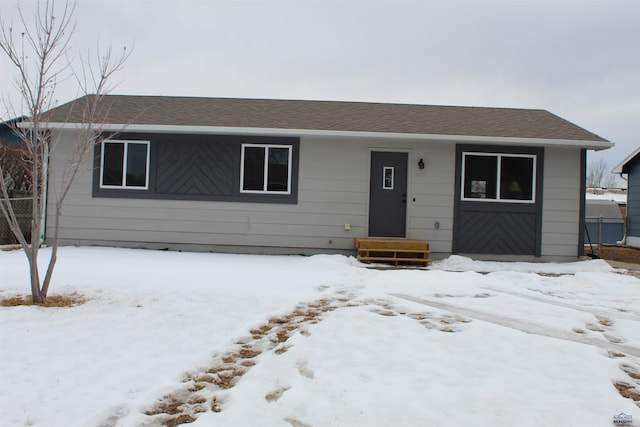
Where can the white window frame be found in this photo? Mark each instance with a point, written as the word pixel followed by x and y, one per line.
pixel 124 185
pixel 384 177
pixel 499 157
pixel 266 147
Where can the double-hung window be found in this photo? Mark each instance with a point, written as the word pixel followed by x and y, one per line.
pixel 265 169
pixel 498 177
pixel 125 164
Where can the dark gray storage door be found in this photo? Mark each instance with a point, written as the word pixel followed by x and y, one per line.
pixel 388 194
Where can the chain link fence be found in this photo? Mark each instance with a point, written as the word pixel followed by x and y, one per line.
pixel 22 207
pixel 603 231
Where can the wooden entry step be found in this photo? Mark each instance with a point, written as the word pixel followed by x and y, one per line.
pixel 393 251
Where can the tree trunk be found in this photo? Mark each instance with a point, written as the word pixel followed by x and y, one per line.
pixel 35 275
pixel 38 54
pixel 54 253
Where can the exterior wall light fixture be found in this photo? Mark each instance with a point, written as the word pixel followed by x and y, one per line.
pixel 421 164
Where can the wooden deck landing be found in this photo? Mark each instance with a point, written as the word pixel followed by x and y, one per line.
pixel 393 251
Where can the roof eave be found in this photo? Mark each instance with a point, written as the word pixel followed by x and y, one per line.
pixel 621 168
pixel 116 127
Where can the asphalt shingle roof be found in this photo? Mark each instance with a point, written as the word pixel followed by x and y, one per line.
pixel 330 116
pixel 608 210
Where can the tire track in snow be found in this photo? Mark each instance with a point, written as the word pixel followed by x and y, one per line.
pixel 523 326
pixel 618 314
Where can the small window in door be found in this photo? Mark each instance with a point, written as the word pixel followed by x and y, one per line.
pixel 387 177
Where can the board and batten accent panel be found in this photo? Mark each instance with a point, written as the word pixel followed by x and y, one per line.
pixel 561 203
pixel 204 169
pixel 495 227
pixel 200 167
pixel 504 226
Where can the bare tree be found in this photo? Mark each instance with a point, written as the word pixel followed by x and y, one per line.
pixel 596 173
pixel 17 174
pixel 38 50
pixel 599 175
pixel 611 181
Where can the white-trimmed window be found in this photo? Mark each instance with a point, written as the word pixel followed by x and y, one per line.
pixel 265 169
pixel 497 177
pixel 124 164
pixel 388 173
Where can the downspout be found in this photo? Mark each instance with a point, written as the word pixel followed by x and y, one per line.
pixel 623 242
pixel 582 208
pixel 43 217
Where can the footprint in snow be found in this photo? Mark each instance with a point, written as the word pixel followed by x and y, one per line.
pixel 614 339
pixel 295 422
pixel 304 369
pixel 605 321
pixel 276 394
pixel 113 419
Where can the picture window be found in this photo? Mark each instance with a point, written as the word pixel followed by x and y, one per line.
pixel 498 177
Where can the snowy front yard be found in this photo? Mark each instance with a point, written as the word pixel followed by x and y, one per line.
pixel 238 340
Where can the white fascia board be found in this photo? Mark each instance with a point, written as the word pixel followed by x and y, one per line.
pixel 618 169
pixel 591 145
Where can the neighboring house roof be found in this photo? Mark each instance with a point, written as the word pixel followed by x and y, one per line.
pixel 171 113
pixel 608 210
pixel 624 165
pixel 8 133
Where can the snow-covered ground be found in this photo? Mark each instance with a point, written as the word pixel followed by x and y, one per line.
pixel 618 195
pixel 318 341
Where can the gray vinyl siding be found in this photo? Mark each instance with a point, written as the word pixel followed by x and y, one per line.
pixel 633 201
pixel 333 186
pixel 332 191
pixel 432 189
pixel 561 203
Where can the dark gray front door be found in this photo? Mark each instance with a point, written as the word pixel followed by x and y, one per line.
pixel 388 194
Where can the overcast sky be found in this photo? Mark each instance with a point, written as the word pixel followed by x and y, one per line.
pixel 578 59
